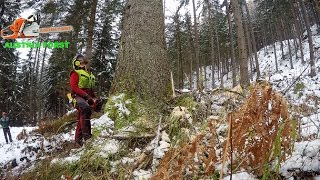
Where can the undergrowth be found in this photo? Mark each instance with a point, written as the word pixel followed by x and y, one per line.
pixel 52 127
pixel 90 165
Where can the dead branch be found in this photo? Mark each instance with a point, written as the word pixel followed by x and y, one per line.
pixel 225 149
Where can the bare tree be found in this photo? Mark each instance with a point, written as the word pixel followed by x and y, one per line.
pixel 309 33
pixel 196 45
pixel 244 77
pixel 233 57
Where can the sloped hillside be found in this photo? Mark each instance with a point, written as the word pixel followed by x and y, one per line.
pixel 275 132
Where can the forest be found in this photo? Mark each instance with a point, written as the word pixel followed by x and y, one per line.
pixel 192 89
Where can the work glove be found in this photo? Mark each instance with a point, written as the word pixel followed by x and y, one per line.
pixel 98 105
pixel 89 100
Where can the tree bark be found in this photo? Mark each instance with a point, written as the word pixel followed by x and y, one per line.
pixel 233 57
pixel 253 41
pixel 179 51
pixel 196 45
pixel 143 68
pixel 211 43
pixel 275 51
pixel 286 35
pixel 91 25
pixel 297 30
pixel 249 46
pixel 309 33
pixel 244 78
pixel 218 50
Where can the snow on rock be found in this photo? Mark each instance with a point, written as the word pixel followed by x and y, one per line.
pixel 305 157
pixel 160 149
pixel 310 126
pixel 126 160
pixel 241 176
pixel 103 121
pixel 185 90
pixel 142 174
pixel 276 77
pixel 69 159
pixel 165 137
pixel 111 146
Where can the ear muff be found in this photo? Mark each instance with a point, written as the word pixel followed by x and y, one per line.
pixel 77 63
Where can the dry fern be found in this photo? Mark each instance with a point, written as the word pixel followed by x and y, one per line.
pixel 256 125
pixel 254 129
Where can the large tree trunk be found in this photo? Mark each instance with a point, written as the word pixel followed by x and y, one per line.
pixel 307 23
pixel 91 24
pixel 143 68
pixel 244 77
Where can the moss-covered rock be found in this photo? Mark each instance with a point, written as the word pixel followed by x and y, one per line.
pixel 123 110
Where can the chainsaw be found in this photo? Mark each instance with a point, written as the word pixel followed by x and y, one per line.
pixel 30 28
pixel 95 104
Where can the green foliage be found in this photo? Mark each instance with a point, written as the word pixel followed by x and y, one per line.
pixel 215 175
pixel 186 101
pixel 298 87
pixel 269 173
pixel 293 132
pixel 266 172
pixel 277 148
pixel 176 132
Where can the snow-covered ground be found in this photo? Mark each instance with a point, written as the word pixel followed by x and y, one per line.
pixel 12 150
pixel 21 154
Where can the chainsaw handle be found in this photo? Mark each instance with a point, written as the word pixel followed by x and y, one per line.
pixel 7 35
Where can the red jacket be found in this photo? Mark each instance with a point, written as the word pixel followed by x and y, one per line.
pixel 74 80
